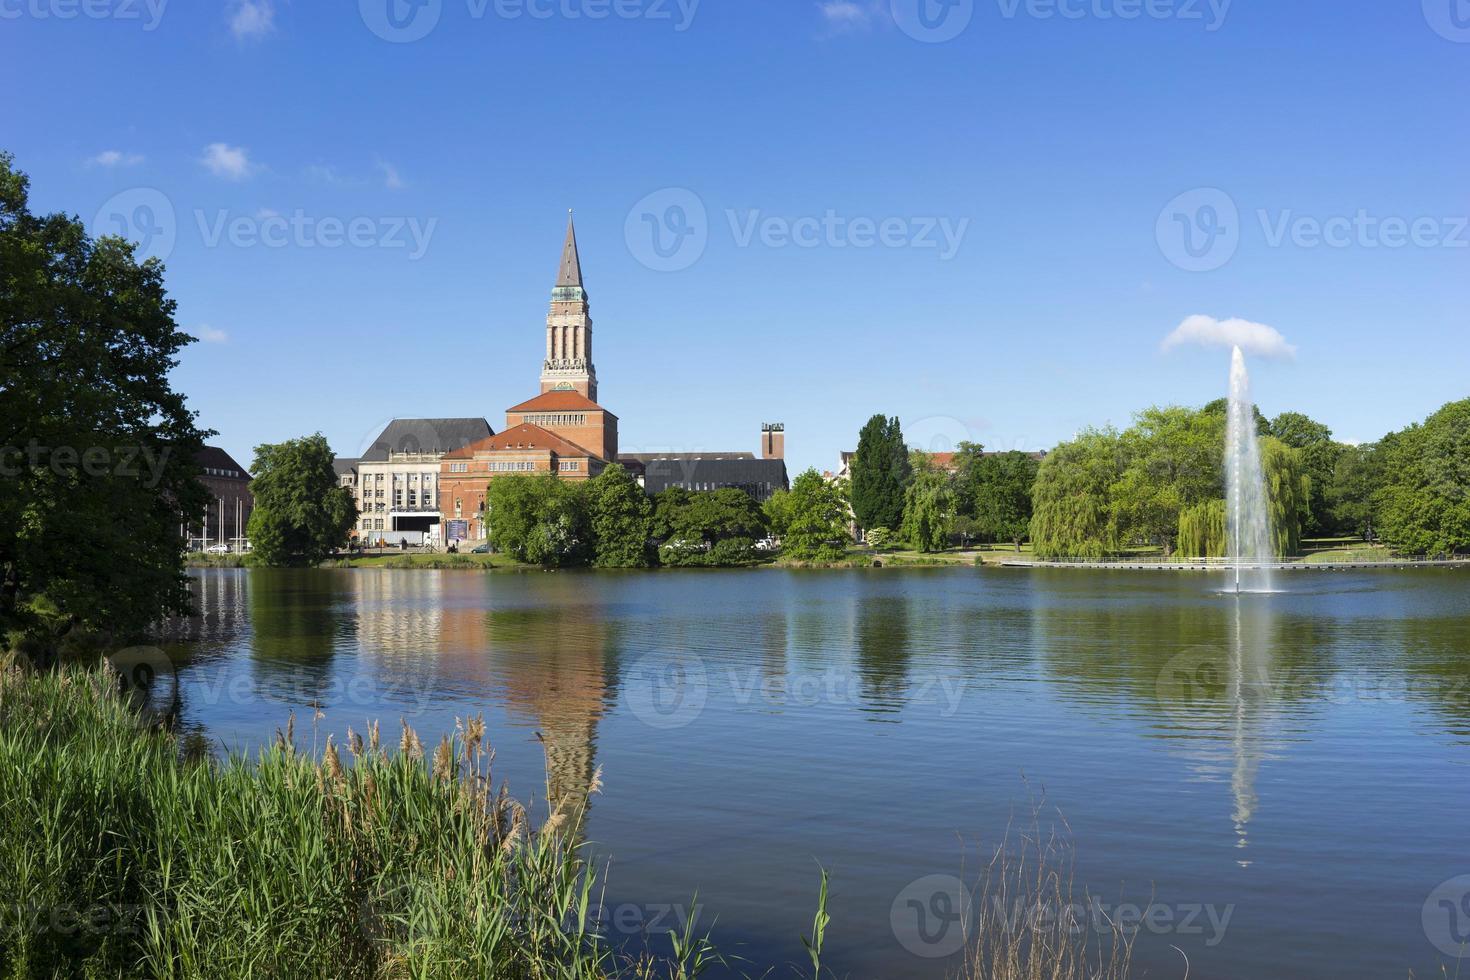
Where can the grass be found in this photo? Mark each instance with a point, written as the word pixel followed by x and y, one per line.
pixel 126 852
pixel 122 856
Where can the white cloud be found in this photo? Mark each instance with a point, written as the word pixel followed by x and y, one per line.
pixel 391 178
pixel 842 16
pixel 115 158
pixel 229 162
pixel 211 335
pixel 251 20
pixel 1253 338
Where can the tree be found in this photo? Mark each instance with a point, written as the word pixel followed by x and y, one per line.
pixel 1287 488
pixel 995 491
pixel 1356 480
pixel 928 512
pixel 1173 458
pixel 818 526
pixel 1071 505
pixel 777 509
pixel 1424 503
pixel 717 527
pixel 98 453
pixel 881 471
pixel 1203 532
pixel 540 520
pixel 301 515
pixel 621 519
pixel 879 538
pixel 1319 461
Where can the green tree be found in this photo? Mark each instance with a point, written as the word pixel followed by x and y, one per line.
pixel 1071 505
pixel 1356 480
pixel 1424 503
pixel 540 520
pixel 1319 461
pixel 301 515
pixel 1202 530
pixel 97 451
pixel 928 512
pixel 777 509
pixel 1173 458
pixel 1287 489
pixel 818 525
pixel 995 492
pixel 879 538
pixel 621 519
pixel 716 527
pixel 881 471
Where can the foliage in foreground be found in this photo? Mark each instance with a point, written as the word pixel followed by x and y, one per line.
pixel 117 857
pixel 98 453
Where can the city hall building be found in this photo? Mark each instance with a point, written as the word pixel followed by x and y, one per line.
pixel 431 476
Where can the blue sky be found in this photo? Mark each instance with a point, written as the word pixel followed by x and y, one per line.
pixel 970 215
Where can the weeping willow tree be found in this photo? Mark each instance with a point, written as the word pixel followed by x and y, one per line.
pixel 1202 530
pixel 1289 491
pixel 1072 513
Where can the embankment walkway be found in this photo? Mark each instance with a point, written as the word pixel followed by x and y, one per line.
pixel 1225 565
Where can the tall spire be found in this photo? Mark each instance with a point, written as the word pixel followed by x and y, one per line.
pixel 571 263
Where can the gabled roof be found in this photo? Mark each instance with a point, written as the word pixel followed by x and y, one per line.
pixel 344 465
pixel 559 401
pixel 425 436
pixel 523 438
pixel 571 262
pixel 215 458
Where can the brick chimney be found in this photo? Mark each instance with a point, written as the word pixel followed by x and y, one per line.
pixel 773 440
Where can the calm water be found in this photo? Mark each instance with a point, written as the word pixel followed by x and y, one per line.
pixel 1282 781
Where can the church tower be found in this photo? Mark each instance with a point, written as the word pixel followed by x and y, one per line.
pixel 568 364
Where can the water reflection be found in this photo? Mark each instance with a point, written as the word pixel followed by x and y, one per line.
pixel 1188 732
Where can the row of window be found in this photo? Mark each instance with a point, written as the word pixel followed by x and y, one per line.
pixel 559 419
pixel 234 474
pixel 518 466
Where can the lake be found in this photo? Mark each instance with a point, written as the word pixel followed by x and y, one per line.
pixel 1277 785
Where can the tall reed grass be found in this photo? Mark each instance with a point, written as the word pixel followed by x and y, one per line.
pixel 121 857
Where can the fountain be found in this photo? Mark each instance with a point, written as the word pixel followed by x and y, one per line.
pixel 1248 521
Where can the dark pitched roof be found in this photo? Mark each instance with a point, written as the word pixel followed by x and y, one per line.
pixel 344 465
pixel 426 436
pixel 522 437
pixel 650 457
pixel 215 458
pixel 571 262
pixel 695 473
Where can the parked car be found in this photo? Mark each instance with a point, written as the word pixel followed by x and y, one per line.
pixel 217 549
pixel 483 549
